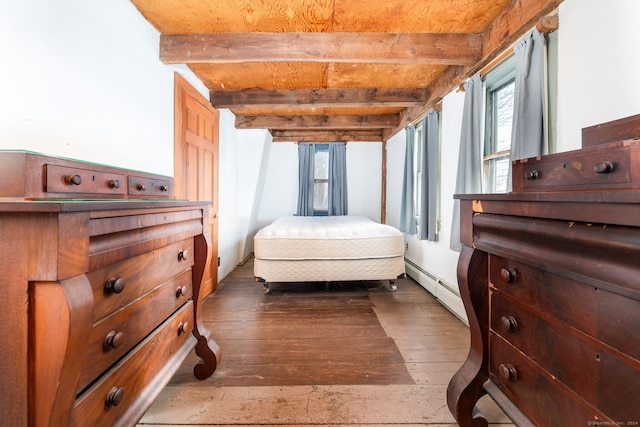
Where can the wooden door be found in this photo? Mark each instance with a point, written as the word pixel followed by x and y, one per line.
pixel 197 126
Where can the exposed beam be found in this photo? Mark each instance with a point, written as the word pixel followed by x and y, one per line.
pixel 303 135
pixel 389 48
pixel 505 30
pixel 548 24
pixel 358 97
pixel 374 121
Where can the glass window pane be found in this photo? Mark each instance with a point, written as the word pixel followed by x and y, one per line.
pixel 418 191
pixel 417 168
pixel 321 167
pixel 502 174
pixel 496 174
pixel 321 196
pixel 504 116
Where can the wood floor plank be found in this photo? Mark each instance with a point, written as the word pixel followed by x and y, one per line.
pixel 355 354
pixel 309 351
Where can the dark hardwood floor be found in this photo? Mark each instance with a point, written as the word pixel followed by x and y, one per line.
pixel 356 354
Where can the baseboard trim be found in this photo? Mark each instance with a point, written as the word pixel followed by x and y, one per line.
pixel 444 292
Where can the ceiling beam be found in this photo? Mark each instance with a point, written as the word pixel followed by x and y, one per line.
pixel 381 48
pixel 304 135
pixel 358 97
pixel 513 23
pixel 374 121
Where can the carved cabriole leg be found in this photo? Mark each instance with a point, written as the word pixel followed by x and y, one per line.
pixel 206 348
pixel 61 322
pixel 466 386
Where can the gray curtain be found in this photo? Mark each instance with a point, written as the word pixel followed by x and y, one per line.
pixel 469 177
pixel 407 209
pixel 306 154
pixel 338 179
pixel 430 171
pixel 529 131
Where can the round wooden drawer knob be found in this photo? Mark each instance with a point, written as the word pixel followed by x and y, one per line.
pixel 532 174
pixel 115 396
pixel 183 327
pixel 183 255
pixel 508 275
pixel 164 187
pixel 114 285
pixel 73 180
pixel 142 187
pixel 113 340
pixel 114 183
pixel 508 372
pixel 181 291
pixel 603 167
pixel 509 323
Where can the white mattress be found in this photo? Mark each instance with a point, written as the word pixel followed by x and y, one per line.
pixel 330 237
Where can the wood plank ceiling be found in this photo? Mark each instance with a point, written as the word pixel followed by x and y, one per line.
pixel 335 70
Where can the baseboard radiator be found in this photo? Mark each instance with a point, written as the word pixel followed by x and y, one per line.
pixel 444 292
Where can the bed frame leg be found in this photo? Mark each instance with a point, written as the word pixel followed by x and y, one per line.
pixel 265 288
pixel 392 285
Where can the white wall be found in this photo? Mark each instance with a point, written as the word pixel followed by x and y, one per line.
pixel 364 177
pixel 82 80
pixel 597 82
pixel 434 257
pixel 280 196
pixel 599 46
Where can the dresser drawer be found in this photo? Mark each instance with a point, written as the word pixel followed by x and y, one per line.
pixel 541 398
pixel 132 381
pixel 607 166
pixel 566 300
pixel 549 346
pixel 602 377
pixel 143 187
pixel 118 284
pixel 619 323
pixel 116 238
pixel 73 180
pixel 114 336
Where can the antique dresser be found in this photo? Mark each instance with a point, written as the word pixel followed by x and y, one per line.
pixel 100 276
pixel 550 278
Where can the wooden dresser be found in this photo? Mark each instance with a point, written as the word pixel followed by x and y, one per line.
pixel 101 291
pixel 550 278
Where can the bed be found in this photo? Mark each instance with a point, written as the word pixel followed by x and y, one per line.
pixel 328 249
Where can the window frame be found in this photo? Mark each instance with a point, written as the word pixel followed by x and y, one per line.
pixel 495 80
pixel 417 172
pixel 320 148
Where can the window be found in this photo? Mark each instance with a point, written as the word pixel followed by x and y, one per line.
pixel 536 128
pixel 417 170
pixel 426 211
pixel 499 89
pixel 321 180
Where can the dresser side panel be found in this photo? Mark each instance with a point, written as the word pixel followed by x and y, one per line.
pixel 41 234
pixel 73 244
pixel 12 166
pixel 14 339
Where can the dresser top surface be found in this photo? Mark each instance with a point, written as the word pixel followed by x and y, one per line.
pixel 611 196
pixel 75 205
